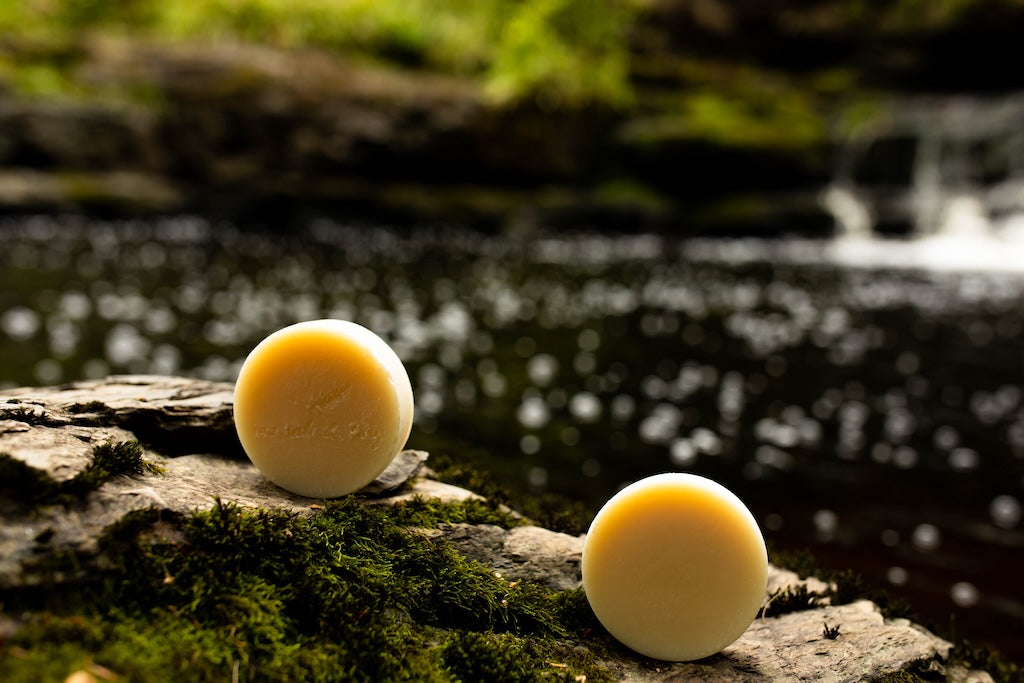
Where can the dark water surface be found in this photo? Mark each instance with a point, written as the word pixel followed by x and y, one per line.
pixel 874 414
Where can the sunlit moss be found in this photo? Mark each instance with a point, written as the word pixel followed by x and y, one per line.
pixel 347 593
pixel 565 51
pixel 124 457
pixel 568 51
pixel 40 79
pixel 427 513
pixel 471 656
pixel 39 60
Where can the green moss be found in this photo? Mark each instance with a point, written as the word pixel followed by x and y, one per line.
pixel 426 513
pixel 22 482
pixel 28 415
pixel 548 510
pixel 927 670
pixel 108 461
pixel 476 656
pixel 26 484
pixel 801 561
pixel 349 593
pixel 790 599
pixel 472 657
pixel 125 457
pixel 987 659
pixel 91 407
pixel 92 413
pixel 903 677
pixel 847 585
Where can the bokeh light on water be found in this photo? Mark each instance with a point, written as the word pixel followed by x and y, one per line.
pixel 873 414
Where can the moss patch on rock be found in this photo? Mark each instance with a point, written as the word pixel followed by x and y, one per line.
pixel 548 510
pixel 352 591
pixel 23 483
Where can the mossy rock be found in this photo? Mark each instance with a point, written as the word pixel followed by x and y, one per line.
pixel 155 554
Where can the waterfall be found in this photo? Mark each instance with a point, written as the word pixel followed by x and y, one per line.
pixel 947 167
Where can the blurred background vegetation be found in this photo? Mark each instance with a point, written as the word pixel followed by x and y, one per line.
pixel 608 95
pixel 571 51
pixel 567 52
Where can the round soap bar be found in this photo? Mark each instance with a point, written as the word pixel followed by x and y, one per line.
pixel 322 407
pixel 675 567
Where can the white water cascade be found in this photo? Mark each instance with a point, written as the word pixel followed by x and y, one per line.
pixel 947 173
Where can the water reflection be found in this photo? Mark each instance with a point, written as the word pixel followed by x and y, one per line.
pixel 876 414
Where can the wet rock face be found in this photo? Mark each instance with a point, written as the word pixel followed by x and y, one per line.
pixel 190 460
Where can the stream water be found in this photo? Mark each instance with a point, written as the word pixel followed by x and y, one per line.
pixel 864 395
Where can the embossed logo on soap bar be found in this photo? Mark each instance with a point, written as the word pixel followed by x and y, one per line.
pixel 326 400
pixel 312 429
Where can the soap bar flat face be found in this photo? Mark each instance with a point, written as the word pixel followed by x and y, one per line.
pixel 675 567
pixel 322 407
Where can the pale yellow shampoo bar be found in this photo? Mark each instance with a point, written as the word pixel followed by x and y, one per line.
pixel 675 567
pixel 322 407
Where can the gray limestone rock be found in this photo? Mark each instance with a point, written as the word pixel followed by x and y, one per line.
pixel 188 431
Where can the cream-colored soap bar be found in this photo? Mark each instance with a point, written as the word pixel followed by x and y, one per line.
pixel 675 567
pixel 322 407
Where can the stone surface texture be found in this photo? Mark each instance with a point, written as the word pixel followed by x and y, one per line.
pixel 186 427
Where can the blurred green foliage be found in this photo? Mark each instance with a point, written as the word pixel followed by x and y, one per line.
pixel 571 49
pixel 645 57
pixel 565 52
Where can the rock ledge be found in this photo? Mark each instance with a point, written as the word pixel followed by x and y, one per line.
pixel 186 429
